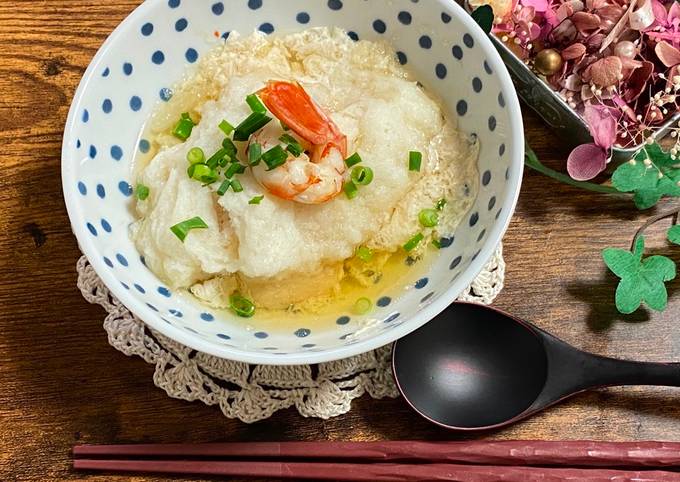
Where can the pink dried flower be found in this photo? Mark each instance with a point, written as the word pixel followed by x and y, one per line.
pixel 638 81
pixel 625 108
pixel 586 93
pixel 564 33
pixel 602 122
pixel 586 161
pixel 595 4
pixel 605 72
pixel 567 9
pixel 537 5
pixel 610 15
pixel 572 82
pixel 595 40
pixel 574 51
pixel 586 23
pixel 667 54
pixel 660 13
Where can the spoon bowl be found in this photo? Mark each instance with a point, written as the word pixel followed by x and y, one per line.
pixel 474 368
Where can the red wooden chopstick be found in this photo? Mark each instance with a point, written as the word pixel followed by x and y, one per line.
pixel 539 453
pixel 373 472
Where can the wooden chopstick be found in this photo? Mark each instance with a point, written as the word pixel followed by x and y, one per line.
pixel 370 472
pixel 538 453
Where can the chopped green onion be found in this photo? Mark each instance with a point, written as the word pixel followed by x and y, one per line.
pixel 254 154
pixel 224 187
pixel 243 307
pixel 294 146
pixel 415 159
pixel 351 190
pixel 295 149
pixel 182 229
pixel 363 306
pixel 288 139
pixel 236 185
pixel 413 243
pixel 252 124
pixel 437 243
pixel 195 155
pixel 284 126
pixel 362 175
pixel 216 158
pixel 256 104
pixel 226 127
pixel 233 169
pixel 364 254
pixel 275 157
pixel 353 160
pixel 142 192
pixel 440 204
pixel 184 127
pixel 428 218
pixel 229 147
pixel 256 200
pixel 203 173
pixel 224 161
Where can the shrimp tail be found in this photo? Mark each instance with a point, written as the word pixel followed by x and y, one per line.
pixel 290 104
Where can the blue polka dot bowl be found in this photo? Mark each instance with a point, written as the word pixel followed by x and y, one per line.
pixel 152 48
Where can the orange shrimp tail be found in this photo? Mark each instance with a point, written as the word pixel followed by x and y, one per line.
pixel 291 104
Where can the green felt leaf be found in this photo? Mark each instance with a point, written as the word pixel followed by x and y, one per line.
pixel 627 298
pixel 632 177
pixel 658 268
pixel 668 185
pixel 484 17
pixel 674 234
pixel 621 262
pixel 642 280
pixel 655 296
pixel 649 182
pixel 655 153
pixel 646 199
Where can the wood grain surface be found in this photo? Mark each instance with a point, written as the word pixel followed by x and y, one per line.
pixel 62 384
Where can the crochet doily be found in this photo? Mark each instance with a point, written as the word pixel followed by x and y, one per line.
pixel 255 392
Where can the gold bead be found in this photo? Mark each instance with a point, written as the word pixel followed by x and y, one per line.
pixel 548 61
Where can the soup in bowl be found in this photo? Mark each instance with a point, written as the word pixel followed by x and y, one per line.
pixel 292 184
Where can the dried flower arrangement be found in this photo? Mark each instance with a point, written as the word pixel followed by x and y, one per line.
pixel 617 64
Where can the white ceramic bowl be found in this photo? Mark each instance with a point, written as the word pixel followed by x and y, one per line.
pixel 150 50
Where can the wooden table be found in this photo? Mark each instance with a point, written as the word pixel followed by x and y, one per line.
pixel 62 384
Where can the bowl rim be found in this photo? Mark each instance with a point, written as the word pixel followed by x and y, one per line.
pixel 153 320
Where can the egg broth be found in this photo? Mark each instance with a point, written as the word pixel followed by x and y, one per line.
pixel 388 274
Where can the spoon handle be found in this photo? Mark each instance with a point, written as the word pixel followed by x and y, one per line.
pixel 602 371
pixel 572 370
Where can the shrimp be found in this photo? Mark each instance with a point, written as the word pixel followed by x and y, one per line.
pixel 318 174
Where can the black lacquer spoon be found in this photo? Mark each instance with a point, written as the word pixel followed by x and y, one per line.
pixel 474 368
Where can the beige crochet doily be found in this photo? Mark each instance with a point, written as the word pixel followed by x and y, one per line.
pixel 255 392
